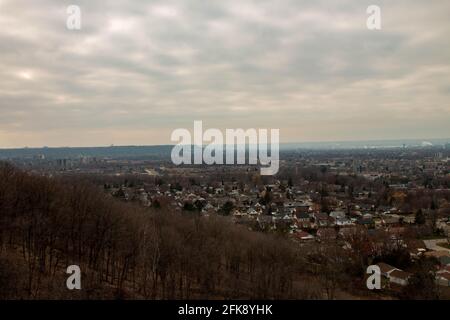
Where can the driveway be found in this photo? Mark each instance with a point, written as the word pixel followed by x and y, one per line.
pixel 432 245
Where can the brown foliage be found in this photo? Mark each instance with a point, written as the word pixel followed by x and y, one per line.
pixel 126 251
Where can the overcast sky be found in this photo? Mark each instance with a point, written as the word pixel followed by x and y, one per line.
pixel 139 69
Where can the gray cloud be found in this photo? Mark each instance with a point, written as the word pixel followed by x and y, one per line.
pixel 139 69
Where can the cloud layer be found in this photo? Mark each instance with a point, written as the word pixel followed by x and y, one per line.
pixel 139 69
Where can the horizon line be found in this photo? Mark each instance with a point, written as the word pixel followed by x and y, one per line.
pixel 281 143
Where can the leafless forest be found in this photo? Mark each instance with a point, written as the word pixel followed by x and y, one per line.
pixel 130 252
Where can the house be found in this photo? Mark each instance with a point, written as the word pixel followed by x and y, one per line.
pixel 321 219
pixel 343 221
pixel 252 212
pixel 399 277
pixel 384 209
pixel 302 216
pixel 444 260
pixel 390 220
pixel 303 236
pixel 337 214
pixel 416 247
pixel 304 225
pixel 366 222
pixel 259 207
pixel 297 206
pixel 443 277
pixel 208 209
pixel 446 268
pixel 385 269
pixel 238 213
pixel 393 274
pixel 441 255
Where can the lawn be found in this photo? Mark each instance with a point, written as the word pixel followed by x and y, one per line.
pixel 443 244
